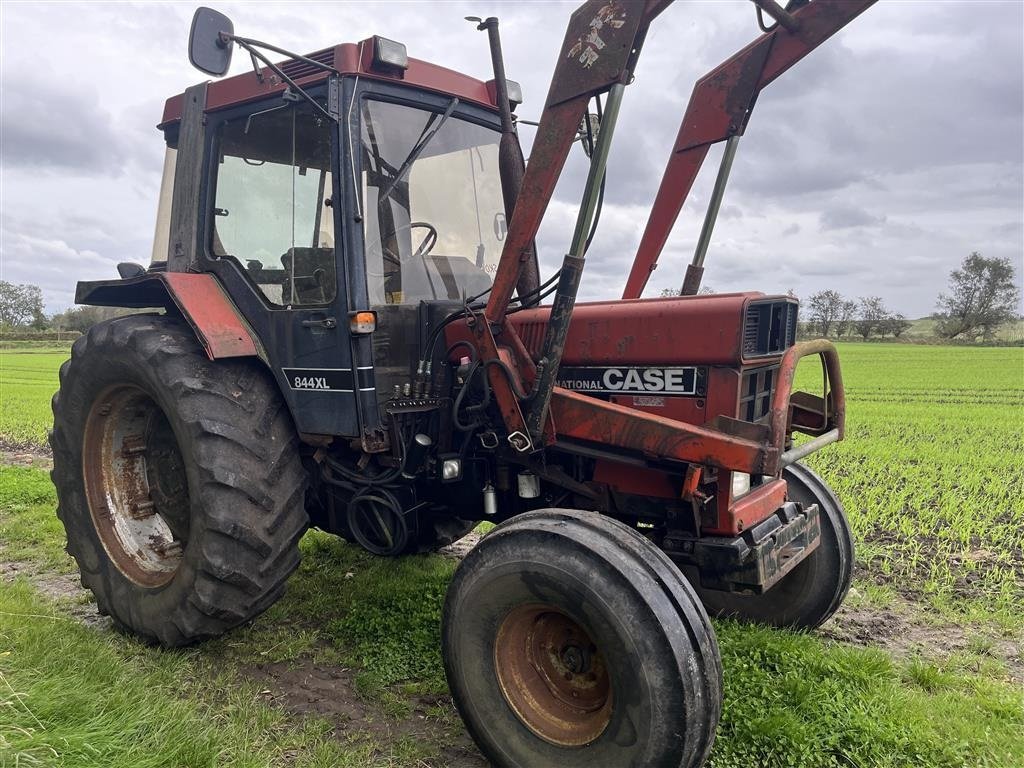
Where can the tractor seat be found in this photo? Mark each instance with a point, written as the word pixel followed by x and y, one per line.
pixel 312 273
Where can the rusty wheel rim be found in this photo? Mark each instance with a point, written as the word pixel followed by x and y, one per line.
pixel 135 485
pixel 552 675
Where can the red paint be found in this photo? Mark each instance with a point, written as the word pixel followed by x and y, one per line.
pixel 748 510
pixel 246 87
pixel 780 416
pixel 690 330
pixel 198 296
pixel 610 427
pixel 640 481
pixel 211 314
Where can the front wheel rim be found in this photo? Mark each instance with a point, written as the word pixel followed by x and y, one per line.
pixel 552 675
pixel 128 447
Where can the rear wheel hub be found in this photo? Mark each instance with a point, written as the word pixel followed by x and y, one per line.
pixel 135 485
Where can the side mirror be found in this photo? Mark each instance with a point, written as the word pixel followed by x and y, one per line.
pixel 207 50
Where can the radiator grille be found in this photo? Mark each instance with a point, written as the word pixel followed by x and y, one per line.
pixel 296 69
pixel 769 328
pixel 756 393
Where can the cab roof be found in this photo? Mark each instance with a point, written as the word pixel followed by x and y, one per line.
pixel 348 59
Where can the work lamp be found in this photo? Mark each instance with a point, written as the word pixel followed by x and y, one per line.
pixel 389 54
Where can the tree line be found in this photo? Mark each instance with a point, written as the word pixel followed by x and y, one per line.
pixel 830 313
pixel 981 297
pixel 22 309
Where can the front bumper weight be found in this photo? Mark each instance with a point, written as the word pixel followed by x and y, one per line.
pixel 756 559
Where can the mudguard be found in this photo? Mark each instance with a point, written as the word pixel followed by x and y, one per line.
pixel 198 296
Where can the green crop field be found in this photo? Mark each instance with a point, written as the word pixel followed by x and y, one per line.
pixel 922 668
pixel 27 381
pixel 932 471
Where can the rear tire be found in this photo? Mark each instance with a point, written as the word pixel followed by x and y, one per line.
pixel 570 640
pixel 178 480
pixel 807 596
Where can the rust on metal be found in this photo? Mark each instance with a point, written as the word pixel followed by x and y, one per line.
pixel 210 312
pixel 123 424
pixel 583 418
pixel 780 419
pixel 598 44
pixel 552 675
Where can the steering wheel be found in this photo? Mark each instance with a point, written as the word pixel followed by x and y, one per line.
pixel 426 245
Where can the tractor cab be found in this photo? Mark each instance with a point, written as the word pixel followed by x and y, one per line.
pixel 344 214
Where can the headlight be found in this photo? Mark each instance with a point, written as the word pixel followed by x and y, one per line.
pixel 740 484
pixel 451 469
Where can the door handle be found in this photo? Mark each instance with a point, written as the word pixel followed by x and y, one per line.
pixel 326 322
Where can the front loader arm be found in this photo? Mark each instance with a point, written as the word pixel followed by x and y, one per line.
pixel 601 47
pixel 720 107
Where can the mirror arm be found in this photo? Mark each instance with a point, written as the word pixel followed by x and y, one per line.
pixel 256 68
pixel 247 42
pixel 249 46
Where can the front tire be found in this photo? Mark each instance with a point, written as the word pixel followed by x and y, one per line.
pixel 570 640
pixel 807 596
pixel 178 480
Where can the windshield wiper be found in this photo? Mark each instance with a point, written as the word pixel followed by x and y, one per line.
pixel 417 151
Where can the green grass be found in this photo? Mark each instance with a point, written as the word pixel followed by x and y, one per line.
pixel 80 697
pixel 27 381
pixel 932 471
pixel 71 696
pixel 29 528
pixel 931 477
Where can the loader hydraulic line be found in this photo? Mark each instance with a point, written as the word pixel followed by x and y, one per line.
pixel 572 270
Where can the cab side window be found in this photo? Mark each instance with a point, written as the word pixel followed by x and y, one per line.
pixel 272 210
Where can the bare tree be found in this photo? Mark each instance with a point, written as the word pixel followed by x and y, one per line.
pixel 847 313
pixel 870 314
pixel 982 296
pixel 706 290
pixel 826 307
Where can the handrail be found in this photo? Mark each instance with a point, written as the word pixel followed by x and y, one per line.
pixel 835 394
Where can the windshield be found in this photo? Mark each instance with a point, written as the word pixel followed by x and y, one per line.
pixel 433 211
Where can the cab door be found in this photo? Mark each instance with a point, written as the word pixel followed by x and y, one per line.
pixel 275 241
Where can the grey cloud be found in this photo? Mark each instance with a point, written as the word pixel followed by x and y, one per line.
pixel 914 117
pixel 51 124
pixel 845 217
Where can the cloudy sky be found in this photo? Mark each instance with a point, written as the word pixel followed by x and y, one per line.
pixel 873 167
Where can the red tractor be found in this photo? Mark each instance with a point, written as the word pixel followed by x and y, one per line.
pixel 350 333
